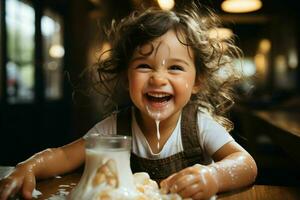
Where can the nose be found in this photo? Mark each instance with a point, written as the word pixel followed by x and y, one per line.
pixel 158 79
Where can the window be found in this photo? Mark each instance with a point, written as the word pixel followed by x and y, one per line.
pixel 20 18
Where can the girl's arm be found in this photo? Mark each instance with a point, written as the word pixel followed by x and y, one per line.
pixel 234 168
pixel 44 164
pixel 54 161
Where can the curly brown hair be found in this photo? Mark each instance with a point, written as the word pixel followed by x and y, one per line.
pixel 213 57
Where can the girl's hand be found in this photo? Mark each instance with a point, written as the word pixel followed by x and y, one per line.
pixel 196 182
pixel 22 178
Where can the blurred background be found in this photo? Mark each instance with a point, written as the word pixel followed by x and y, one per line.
pixel 45 45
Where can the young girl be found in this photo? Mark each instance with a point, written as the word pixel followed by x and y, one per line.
pixel 179 81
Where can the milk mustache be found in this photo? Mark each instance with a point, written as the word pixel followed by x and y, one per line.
pixel 107 174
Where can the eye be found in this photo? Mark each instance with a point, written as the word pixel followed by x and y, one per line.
pixel 143 66
pixel 176 68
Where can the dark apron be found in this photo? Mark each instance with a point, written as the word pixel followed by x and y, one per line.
pixel 159 169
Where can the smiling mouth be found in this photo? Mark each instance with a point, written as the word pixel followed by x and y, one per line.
pixel 158 97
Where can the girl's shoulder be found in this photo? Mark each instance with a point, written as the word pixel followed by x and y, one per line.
pixel 206 121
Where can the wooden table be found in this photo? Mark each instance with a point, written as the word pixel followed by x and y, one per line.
pixel 256 192
pixel 283 126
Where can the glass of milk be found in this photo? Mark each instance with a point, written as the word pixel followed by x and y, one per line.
pixel 107 168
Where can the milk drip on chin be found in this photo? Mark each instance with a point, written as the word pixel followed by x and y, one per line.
pixel 157 115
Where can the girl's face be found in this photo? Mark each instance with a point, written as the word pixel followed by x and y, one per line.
pixel 161 77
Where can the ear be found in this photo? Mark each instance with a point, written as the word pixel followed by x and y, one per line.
pixel 196 87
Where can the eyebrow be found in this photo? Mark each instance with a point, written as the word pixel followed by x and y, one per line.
pixel 180 60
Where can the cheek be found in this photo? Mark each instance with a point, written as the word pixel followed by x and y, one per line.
pixel 135 84
pixel 185 84
pixel 133 88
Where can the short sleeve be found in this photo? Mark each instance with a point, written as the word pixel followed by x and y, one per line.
pixel 212 135
pixel 105 127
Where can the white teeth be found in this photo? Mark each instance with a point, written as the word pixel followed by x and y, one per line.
pixel 158 95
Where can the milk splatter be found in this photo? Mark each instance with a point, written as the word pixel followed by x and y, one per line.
pixel 130 186
pixel 186 85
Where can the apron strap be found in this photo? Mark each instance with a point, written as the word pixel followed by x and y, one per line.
pixel 189 127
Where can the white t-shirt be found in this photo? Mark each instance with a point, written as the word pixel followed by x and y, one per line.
pixel 212 136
